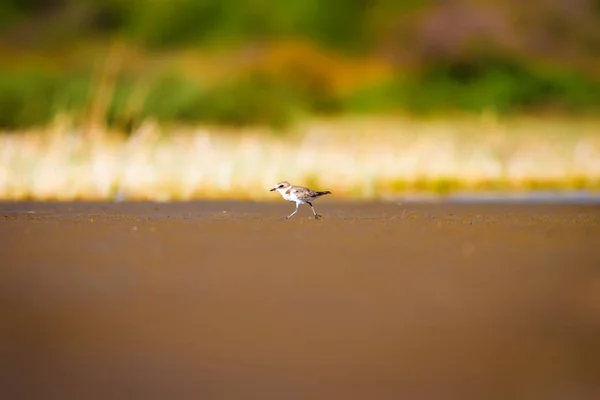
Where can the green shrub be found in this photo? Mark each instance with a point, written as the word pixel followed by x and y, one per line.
pixel 29 97
pixel 26 98
pixel 505 87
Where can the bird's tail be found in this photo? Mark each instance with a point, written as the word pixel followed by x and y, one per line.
pixel 323 193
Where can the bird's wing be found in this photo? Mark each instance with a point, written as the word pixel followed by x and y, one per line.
pixel 304 191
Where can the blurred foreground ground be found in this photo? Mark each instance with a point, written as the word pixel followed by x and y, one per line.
pixel 229 300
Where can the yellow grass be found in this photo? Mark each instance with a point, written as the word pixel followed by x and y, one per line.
pixel 353 157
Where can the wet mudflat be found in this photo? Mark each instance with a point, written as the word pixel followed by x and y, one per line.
pixel 230 300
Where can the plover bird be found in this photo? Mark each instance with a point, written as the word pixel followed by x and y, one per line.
pixel 298 195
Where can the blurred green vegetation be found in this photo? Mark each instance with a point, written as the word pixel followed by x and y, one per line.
pixel 460 55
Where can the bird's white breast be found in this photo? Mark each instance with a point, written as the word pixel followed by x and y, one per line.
pixel 291 196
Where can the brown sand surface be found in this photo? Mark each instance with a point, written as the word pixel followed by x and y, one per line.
pixel 229 300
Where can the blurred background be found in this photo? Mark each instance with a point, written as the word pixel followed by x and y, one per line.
pixel 182 99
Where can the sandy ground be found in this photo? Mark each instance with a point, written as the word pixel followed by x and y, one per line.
pixel 230 300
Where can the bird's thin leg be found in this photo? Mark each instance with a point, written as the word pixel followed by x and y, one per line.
pixel 314 212
pixel 295 211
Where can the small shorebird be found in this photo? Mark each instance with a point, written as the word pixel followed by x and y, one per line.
pixel 298 195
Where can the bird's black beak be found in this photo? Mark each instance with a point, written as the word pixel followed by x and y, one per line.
pixel 272 189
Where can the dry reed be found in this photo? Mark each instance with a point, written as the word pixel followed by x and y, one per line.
pixel 362 158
